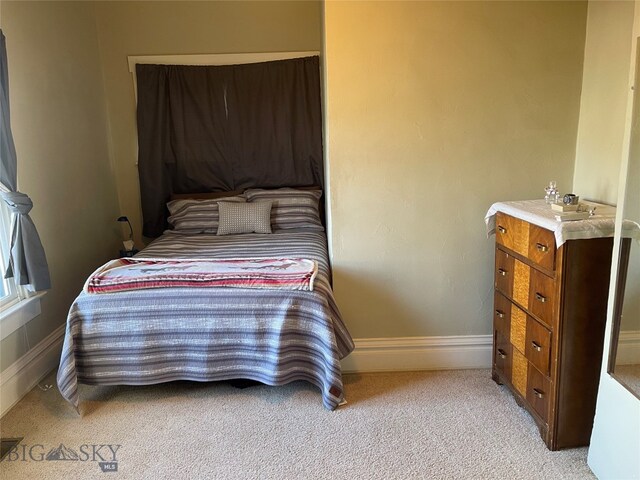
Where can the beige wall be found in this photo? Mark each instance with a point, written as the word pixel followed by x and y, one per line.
pixel 59 126
pixel 435 111
pixel 170 28
pixel 604 100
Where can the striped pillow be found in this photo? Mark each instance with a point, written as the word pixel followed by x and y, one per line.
pixel 292 208
pixel 244 217
pixel 197 216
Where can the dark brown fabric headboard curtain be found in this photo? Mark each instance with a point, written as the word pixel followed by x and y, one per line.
pixel 222 128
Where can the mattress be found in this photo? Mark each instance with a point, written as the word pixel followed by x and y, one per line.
pixel 159 335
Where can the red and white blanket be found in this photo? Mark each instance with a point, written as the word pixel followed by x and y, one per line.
pixel 132 273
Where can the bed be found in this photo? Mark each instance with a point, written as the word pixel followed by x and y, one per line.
pixel 156 335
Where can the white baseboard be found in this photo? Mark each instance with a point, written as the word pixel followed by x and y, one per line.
pixel 628 348
pixel 442 353
pixel 419 353
pixel 22 375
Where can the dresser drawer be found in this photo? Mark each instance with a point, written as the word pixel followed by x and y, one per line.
pixel 542 296
pixel 538 392
pixel 512 233
pixel 504 272
pixel 542 247
pixel 535 243
pixel 501 314
pixel 502 355
pixel 531 338
pixel 538 345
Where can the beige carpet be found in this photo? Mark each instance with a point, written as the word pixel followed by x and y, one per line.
pixel 629 376
pixel 441 425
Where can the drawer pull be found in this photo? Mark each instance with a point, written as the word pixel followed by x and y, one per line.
pixel 542 248
pixel 501 353
pixel 538 393
pixel 536 346
pixel 541 298
pixel 501 229
pixel 502 272
pixel 499 314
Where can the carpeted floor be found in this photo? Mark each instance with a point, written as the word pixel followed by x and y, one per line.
pixel 629 376
pixel 440 425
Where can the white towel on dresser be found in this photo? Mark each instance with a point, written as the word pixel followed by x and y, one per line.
pixel 538 212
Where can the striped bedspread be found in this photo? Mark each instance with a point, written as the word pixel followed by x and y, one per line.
pixel 150 336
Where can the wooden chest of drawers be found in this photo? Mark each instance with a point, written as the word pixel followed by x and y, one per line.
pixel 550 309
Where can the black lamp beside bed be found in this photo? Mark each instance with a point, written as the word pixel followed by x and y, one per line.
pixel 129 249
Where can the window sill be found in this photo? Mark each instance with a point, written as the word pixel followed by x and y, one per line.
pixel 19 314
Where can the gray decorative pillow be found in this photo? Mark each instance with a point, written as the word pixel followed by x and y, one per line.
pixel 244 217
pixel 197 216
pixel 292 208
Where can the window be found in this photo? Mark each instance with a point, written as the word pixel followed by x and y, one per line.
pixel 8 290
pixel 18 305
